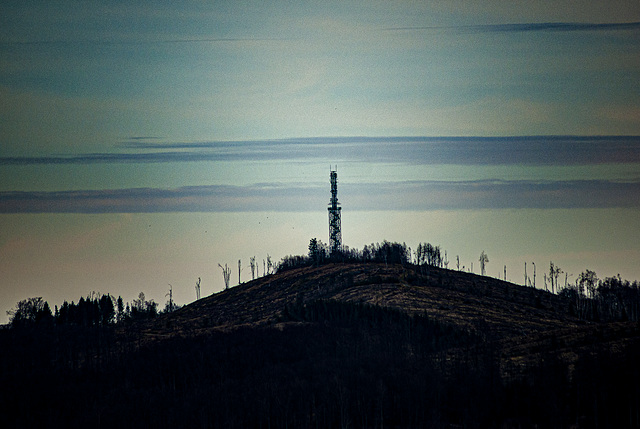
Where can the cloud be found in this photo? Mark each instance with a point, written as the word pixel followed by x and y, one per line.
pixel 152 200
pixel 523 150
pixel 413 195
pixel 529 27
pixel 160 41
pixel 111 158
pixel 496 194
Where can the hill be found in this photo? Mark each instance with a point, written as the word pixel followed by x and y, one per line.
pixel 486 304
pixel 340 345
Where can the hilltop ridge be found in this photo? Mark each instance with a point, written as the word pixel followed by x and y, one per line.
pixel 522 323
pixel 477 302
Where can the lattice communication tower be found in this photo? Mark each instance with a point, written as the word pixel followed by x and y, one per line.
pixel 335 233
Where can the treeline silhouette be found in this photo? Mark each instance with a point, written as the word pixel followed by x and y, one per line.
pixel 94 310
pixel 385 252
pixel 609 299
pixel 337 365
pixel 345 365
pixel 323 363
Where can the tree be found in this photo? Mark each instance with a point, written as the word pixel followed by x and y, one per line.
pixel 138 304
pixel 317 251
pixel 419 253
pixel 313 248
pixel 587 281
pixel 484 259
pixel 169 306
pixel 106 309
pixel 239 270
pixel 534 274
pixel 226 275
pixel 269 264
pixel 554 273
pixel 141 308
pixel 30 312
pixel 198 289
pixel 314 252
pixel 44 316
pixel 120 305
pixel 252 262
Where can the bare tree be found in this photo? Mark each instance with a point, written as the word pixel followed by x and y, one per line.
pixel 139 303
pixel 198 289
pixel 226 275
pixel 534 274
pixel 252 263
pixel 170 294
pixel 239 270
pixel 554 273
pixel 484 259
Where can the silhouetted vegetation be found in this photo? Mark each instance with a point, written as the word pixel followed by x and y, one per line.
pixel 609 299
pixel 97 311
pixel 31 311
pixel 329 357
pixel 337 365
pixel 94 310
pixel 427 254
pixel 419 332
pixel 347 365
pixel 385 252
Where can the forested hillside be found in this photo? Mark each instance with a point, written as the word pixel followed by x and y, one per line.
pixel 359 344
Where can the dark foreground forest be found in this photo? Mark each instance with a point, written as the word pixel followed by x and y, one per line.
pixel 341 345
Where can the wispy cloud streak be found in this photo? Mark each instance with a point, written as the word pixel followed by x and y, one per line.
pixel 528 27
pixel 152 200
pixel 112 158
pixel 134 42
pixel 492 194
pixel 415 195
pixel 531 150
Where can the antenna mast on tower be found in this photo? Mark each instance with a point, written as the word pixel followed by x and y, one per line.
pixel 335 234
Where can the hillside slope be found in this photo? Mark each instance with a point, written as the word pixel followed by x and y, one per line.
pixel 494 307
pixel 340 345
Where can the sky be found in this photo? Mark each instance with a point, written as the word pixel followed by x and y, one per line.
pixel 144 143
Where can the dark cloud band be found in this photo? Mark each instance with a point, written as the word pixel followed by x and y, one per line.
pixel 528 150
pixel 528 27
pixel 417 195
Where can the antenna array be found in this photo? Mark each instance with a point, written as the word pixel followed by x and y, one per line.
pixel 335 233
